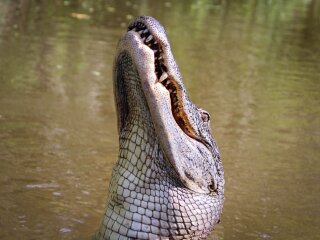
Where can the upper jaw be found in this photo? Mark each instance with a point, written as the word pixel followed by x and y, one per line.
pixel 153 35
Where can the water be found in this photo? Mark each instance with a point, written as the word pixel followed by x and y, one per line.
pixel 253 64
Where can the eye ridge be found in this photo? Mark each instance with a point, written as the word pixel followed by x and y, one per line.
pixel 205 116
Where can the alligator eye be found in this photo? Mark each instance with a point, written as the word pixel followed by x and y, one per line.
pixel 205 115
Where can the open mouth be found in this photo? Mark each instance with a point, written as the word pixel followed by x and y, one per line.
pixel 165 79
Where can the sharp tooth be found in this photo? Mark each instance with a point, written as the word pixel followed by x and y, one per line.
pixel 174 91
pixel 160 57
pixel 155 42
pixel 140 32
pixel 149 38
pixel 134 29
pixel 143 39
pixel 146 30
pixel 155 51
pixel 170 90
pixel 163 76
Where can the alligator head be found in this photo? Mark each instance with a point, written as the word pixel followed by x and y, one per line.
pixel 182 128
pixel 166 145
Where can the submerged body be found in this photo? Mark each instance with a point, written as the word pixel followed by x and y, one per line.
pixel 168 182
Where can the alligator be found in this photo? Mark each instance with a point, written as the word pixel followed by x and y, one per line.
pixel 168 182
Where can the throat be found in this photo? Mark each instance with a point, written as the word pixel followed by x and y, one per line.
pixel 138 155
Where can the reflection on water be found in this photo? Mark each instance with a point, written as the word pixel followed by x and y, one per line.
pixel 253 64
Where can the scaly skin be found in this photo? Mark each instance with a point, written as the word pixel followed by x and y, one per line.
pixel 168 182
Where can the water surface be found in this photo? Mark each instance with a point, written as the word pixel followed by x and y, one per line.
pixel 253 64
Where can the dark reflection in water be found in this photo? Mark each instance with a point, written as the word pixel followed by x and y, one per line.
pixel 253 64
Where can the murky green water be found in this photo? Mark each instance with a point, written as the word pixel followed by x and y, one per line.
pixel 253 64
